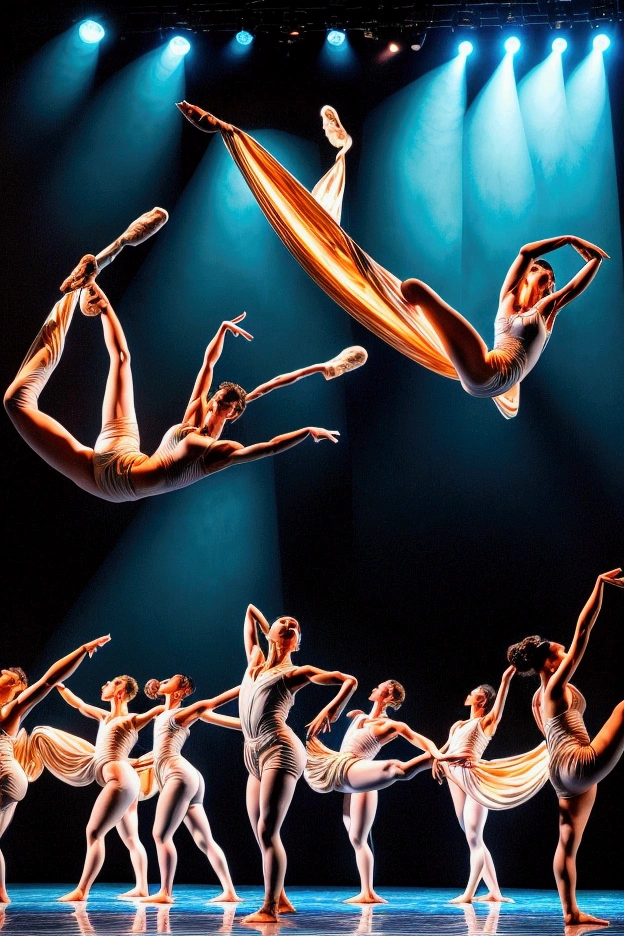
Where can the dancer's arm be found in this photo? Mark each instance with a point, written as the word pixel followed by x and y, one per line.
pixel 254 619
pixel 284 380
pixel 16 710
pixel 205 710
pixel 196 409
pixel 140 721
pixel 530 252
pixel 91 711
pixel 247 453
pixel 418 740
pixel 587 619
pixel 312 674
pixel 489 722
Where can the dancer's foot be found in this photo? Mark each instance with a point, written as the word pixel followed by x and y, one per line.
pixel 263 915
pixel 226 896
pixel 462 899
pixel 347 360
pixel 579 918
pixel 135 892
pixel 284 905
pixel 82 274
pixel 492 898
pixel 92 300
pixel 74 896
pixel 4 897
pixel 366 897
pixel 161 897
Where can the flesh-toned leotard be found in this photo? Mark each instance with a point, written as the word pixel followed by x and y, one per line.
pixel 496 784
pixel 13 780
pixel 572 757
pixel 169 739
pixel 327 770
pixel 264 703
pixel 518 343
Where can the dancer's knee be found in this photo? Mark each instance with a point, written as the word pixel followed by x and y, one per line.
pixel 267 835
pixel 357 840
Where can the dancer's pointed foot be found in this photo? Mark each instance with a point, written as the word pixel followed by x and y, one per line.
pixel 366 897
pixel 226 896
pixel 84 272
pixel 161 897
pixel 135 892
pixel 579 919
pixel 92 300
pixel 284 905
pixel 263 915
pixel 493 898
pixel 347 360
pixel 74 896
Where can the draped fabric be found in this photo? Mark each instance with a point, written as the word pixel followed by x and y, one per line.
pixel 310 229
pixel 505 782
pixel 327 770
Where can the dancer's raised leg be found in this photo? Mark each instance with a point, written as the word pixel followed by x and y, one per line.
pixel 366 775
pixel 358 813
pixel 609 743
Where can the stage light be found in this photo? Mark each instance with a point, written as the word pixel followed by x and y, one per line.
pixel 91 32
pixel 418 40
pixel 465 19
pixel 559 45
pixel 243 37
pixel 336 37
pixel 179 46
pixel 465 48
pixel 393 47
pixel 512 45
pixel 601 42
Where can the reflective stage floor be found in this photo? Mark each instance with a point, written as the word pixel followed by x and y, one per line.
pixel 321 912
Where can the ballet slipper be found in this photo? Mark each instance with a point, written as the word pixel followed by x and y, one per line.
pixel 462 899
pixel 161 897
pixel 369 898
pixel 75 896
pixel 135 892
pixel 347 360
pixel 580 919
pixel 260 916
pixel 492 898
pixel 226 897
pixel 82 274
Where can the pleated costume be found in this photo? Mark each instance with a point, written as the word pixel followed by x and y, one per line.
pixel 13 779
pixel 263 705
pixel 572 757
pixel 327 770
pixel 169 739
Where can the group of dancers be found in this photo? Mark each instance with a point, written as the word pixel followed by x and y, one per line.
pixel 412 318
pixel 276 758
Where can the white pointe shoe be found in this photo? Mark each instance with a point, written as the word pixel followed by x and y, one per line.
pixel 347 360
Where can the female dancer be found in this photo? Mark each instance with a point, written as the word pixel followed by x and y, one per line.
pixel 409 315
pixel 577 764
pixel 181 785
pixel 17 699
pixel 116 804
pixel 359 777
pixel 115 469
pixel 274 755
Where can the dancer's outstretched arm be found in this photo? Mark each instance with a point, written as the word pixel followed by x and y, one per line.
pixel 204 710
pixel 489 722
pixel 587 619
pixel 144 718
pixel 254 619
pixel 16 710
pixel 347 360
pixel 418 740
pixel 329 714
pixel 198 403
pixel 283 381
pixel 91 711
pixel 238 455
pixel 530 252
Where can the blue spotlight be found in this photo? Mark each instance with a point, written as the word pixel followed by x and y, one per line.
pixel 465 48
pixel 179 46
pixel 601 42
pixel 90 32
pixel 512 45
pixel 559 45
pixel 245 38
pixel 336 37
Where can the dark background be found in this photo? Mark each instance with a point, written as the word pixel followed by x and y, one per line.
pixel 433 536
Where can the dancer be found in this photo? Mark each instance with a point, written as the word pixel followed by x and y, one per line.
pixel 409 315
pixel 479 785
pixel 17 699
pixel 274 755
pixel 115 469
pixel 353 771
pixel 116 804
pixel 577 763
pixel 181 785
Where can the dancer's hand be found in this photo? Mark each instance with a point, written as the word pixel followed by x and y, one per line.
pixel 614 577
pixel 94 645
pixel 587 250
pixel 233 328
pixel 320 724
pixel 319 434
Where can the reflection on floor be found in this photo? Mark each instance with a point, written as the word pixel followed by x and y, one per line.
pixel 321 912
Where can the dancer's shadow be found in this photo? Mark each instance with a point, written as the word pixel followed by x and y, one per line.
pixel 476 926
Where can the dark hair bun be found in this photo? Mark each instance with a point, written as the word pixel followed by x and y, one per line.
pixel 529 655
pixel 151 688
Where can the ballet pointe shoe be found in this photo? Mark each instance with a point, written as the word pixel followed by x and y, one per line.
pixel 92 300
pixel 84 272
pixel 347 360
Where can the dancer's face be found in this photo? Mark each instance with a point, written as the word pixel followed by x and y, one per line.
pixel 10 684
pixel 112 688
pixel 381 693
pixel 538 280
pixel 171 685
pixel 476 697
pixel 286 633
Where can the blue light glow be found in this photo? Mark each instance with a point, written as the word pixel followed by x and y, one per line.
pixel 179 45
pixel 336 37
pixel 465 48
pixel 512 45
pixel 245 38
pixel 90 32
pixel 559 45
pixel 601 42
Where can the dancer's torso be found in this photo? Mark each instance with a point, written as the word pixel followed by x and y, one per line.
pixel 115 739
pixel 13 780
pixel 360 740
pixel 264 703
pixel 169 739
pixel 519 340
pixel 469 740
pixel 572 757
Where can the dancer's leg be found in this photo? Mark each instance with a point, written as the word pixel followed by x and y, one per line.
pixel 196 821
pixel 366 775
pixel 119 394
pixel 481 863
pixel 5 821
pixel 573 816
pixel 359 811
pixel 276 792
pixel 128 828
pixel 609 743
pixel 173 802
pixel 120 790
pixel 463 344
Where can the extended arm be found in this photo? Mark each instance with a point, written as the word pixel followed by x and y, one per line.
pixel 140 721
pixel 204 710
pixel 586 621
pixel 254 619
pixel 196 409
pixel 63 668
pixel 530 252
pixel 279 444
pixel 418 740
pixel 489 722
pixel 329 714
pixel 284 380
pixel 91 711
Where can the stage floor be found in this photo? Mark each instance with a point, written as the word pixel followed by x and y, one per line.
pixel 321 912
